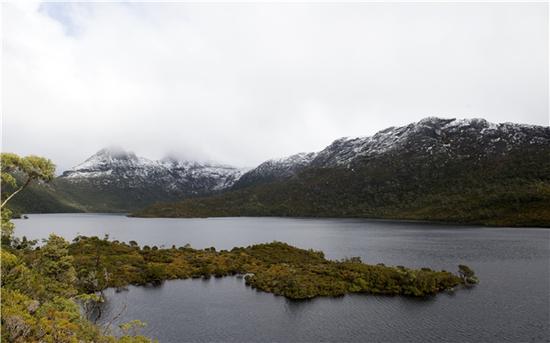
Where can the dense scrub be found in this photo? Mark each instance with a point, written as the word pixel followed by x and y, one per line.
pixel 41 298
pixel 503 190
pixel 275 267
pixel 44 289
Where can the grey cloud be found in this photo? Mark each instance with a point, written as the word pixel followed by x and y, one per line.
pixel 242 83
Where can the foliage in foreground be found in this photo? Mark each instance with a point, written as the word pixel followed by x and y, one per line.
pixel 40 294
pixel 44 290
pixel 43 287
pixel 40 298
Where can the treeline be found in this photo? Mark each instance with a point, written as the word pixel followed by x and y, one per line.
pixel 500 190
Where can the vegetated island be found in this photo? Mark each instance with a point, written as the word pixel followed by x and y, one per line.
pixel 53 293
pixel 45 288
pixel 274 267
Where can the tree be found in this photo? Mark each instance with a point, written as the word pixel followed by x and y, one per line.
pixel 31 168
pixel 467 274
pixel 39 286
pixel 7 226
pixel 54 262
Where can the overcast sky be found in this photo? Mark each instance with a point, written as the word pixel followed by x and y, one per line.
pixel 242 83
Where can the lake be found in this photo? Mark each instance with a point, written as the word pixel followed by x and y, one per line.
pixel 511 304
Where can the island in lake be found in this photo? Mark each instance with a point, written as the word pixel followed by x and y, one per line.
pixel 273 267
pixel 45 288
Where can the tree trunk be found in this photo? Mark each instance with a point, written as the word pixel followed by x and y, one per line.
pixel 14 193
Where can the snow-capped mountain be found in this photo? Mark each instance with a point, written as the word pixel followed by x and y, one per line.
pixel 214 177
pixel 112 165
pixel 117 180
pixel 461 171
pixel 447 138
pixel 276 169
pixel 392 168
pixel 455 138
pixel 121 169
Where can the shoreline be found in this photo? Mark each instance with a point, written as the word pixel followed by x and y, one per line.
pixel 369 219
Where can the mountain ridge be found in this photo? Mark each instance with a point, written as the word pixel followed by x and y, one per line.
pixel 116 180
pixel 120 166
pixel 405 172
pixel 343 151
pixel 275 169
pixel 457 170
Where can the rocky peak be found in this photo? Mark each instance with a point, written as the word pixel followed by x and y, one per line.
pixel 114 153
pixel 123 169
pixel 276 169
pixel 290 162
pixel 432 135
pixel 106 162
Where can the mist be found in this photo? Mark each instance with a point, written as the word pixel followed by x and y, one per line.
pixel 241 83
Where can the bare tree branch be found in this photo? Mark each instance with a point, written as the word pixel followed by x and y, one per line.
pixel 108 326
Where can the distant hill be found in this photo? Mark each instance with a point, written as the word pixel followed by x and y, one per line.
pixel 44 198
pixel 275 169
pixel 114 180
pixel 464 171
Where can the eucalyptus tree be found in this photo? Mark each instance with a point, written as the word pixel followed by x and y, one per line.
pixel 17 173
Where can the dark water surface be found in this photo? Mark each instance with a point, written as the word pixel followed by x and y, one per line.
pixel 511 304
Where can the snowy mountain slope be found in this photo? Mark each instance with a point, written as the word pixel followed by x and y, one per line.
pixel 448 138
pixel 454 138
pixel 122 169
pixel 276 169
pixel 433 155
pixel 115 180
pixel 461 171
